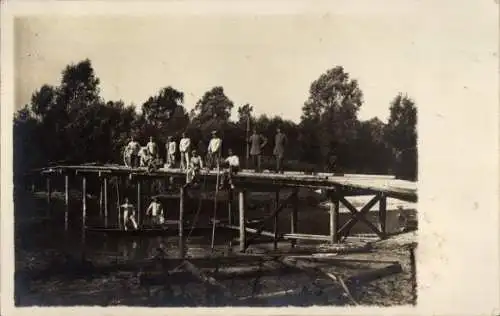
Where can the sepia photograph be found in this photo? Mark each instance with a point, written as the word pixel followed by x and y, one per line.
pixel 220 159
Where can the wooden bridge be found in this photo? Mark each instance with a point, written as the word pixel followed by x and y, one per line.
pixel 337 188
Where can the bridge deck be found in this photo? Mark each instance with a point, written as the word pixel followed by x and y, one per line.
pixel 400 189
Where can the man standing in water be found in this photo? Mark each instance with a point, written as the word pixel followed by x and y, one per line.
pixel 280 141
pixel 156 210
pixel 184 148
pixel 214 151
pixel 128 214
pixel 257 142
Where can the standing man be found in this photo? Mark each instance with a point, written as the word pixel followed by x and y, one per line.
pixel 152 148
pixel 155 212
pixel 128 214
pixel 257 142
pixel 132 151
pixel 171 149
pixel 184 148
pixel 280 141
pixel 214 151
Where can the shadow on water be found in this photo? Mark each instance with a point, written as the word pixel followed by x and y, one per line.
pixel 55 266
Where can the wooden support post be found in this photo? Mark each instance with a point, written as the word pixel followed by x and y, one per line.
pixel 84 206
pixel 139 217
pixel 182 196
pixel 100 197
pixel 413 265
pixel 334 216
pixel 66 201
pixel 118 202
pixel 276 203
pixel 49 197
pixel 229 207
pixel 294 218
pixel 383 214
pixel 242 206
pixel 105 202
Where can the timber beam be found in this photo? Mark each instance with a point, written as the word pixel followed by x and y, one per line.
pixel 359 216
pixel 271 216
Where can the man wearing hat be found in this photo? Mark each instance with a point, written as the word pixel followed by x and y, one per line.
pixel 214 151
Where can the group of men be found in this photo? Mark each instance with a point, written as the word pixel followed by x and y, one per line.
pixel 154 212
pixel 136 155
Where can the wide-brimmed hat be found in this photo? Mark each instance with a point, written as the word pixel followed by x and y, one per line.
pixel 214 132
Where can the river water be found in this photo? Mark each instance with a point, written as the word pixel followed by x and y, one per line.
pixel 40 234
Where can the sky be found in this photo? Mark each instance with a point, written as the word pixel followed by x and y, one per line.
pixel 267 60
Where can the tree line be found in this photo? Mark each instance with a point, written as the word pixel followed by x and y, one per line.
pixel 72 123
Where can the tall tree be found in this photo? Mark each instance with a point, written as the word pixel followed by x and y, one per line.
pixel 372 153
pixel 212 110
pixel 164 113
pixel 77 100
pixel 329 118
pixel 401 135
pixel 244 114
pixel 79 86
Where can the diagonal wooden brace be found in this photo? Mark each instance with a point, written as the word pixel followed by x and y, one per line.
pixel 359 216
pixel 260 229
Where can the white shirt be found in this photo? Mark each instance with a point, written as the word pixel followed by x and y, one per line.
pixel 233 161
pixel 133 147
pixel 172 147
pixel 196 162
pixel 184 144
pixel 155 208
pixel 214 145
pixel 151 147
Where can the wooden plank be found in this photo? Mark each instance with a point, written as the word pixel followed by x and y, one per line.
pixel 273 215
pixel 182 197
pixel 139 204
pixel 49 196
pixel 276 219
pixel 306 237
pixel 294 219
pixel 334 217
pixel 242 206
pixel 413 266
pixel 84 207
pixel 383 214
pixel 213 284
pixel 371 275
pixel 247 229
pixel 66 201
pixel 105 202
pixel 358 216
pixel 400 189
pixel 229 207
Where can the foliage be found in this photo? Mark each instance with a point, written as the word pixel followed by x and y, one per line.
pixel 329 117
pixel 71 123
pixel 402 135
